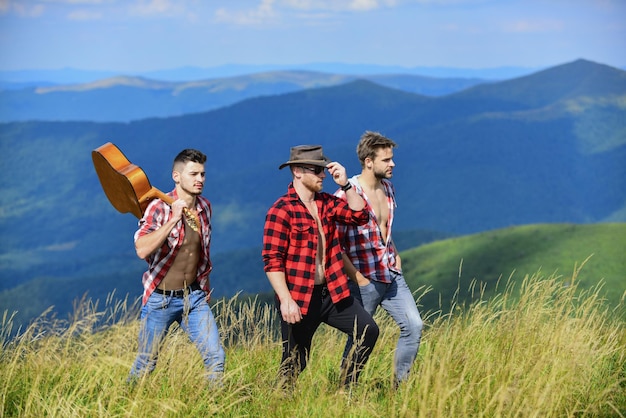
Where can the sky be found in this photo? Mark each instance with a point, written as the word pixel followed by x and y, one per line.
pixel 150 35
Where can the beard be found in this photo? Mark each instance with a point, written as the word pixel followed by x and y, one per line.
pixel 383 174
pixel 191 191
pixel 312 184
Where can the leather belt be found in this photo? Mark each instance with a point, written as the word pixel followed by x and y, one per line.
pixel 178 293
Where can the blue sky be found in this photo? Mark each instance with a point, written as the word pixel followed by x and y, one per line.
pixel 146 35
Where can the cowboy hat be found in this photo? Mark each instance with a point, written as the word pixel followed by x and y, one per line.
pixel 306 154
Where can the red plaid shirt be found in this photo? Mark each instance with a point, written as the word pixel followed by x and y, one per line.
pixel 290 242
pixel 159 262
pixel 372 254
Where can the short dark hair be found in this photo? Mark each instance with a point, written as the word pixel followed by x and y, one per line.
pixel 370 143
pixel 188 154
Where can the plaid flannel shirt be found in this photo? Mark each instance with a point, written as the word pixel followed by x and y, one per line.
pixel 290 242
pixel 372 254
pixel 159 262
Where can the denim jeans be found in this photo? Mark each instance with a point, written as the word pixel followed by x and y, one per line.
pixel 396 298
pixel 194 315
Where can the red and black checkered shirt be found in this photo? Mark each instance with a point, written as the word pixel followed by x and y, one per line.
pixel 373 255
pixel 290 242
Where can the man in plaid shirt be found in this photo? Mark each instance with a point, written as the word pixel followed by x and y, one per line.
pixel 303 262
pixel 174 239
pixel 370 256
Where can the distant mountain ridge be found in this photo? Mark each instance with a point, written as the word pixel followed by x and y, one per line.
pixel 190 73
pixel 123 98
pixel 554 85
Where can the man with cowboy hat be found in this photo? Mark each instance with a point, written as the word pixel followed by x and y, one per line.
pixel 303 262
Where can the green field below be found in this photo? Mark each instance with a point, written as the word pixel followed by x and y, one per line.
pixel 491 259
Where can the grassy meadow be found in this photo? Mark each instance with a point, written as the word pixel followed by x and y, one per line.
pixel 492 257
pixel 550 351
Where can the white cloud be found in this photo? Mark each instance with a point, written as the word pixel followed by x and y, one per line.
pixel 237 12
pixel 333 5
pixel 158 7
pixel 282 10
pixel 264 12
pixel 92 9
pixel 22 9
pixel 450 2
pixel 78 1
pixel 37 8
pixel 363 4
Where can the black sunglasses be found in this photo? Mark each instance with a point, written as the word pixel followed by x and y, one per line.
pixel 316 170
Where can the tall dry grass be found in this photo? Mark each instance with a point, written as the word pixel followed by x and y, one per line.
pixel 544 350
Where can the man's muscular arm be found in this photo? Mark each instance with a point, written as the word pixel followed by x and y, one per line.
pixel 149 243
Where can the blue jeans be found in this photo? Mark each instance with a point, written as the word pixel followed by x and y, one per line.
pixel 194 315
pixel 396 298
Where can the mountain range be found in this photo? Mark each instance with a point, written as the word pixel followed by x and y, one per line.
pixel 549 147
pixel 124 99
pixel 20 78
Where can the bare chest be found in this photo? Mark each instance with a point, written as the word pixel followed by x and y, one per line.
pixel 184 268
pixel 378 203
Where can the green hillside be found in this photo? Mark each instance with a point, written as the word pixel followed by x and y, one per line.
pixel 454 263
